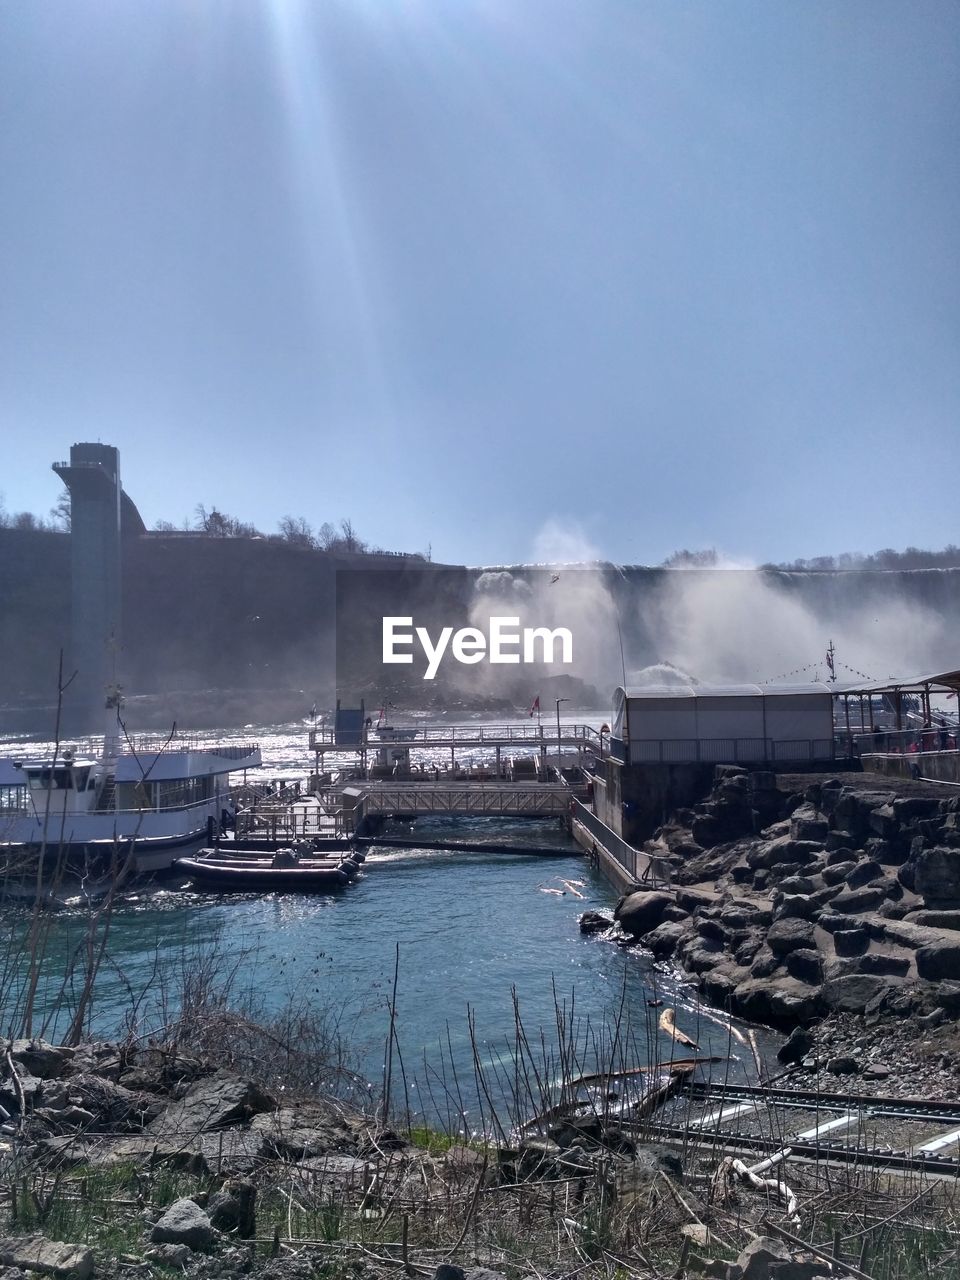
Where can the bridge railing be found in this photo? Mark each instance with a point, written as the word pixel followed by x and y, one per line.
pixel 472 799
pixel 465 734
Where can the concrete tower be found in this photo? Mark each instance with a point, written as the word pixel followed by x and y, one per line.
pixel 93 477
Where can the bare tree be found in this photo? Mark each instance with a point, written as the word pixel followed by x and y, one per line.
pixel 296 531
pixel 61 513
pixel 219 525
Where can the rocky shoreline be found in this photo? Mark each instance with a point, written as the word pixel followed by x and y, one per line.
pixel 827 904
pixel 141 1163
pixel 124 1162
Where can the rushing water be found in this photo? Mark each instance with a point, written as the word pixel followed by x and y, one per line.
pixel 467 929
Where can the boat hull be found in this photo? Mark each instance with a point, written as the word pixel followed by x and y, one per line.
pixel 255 878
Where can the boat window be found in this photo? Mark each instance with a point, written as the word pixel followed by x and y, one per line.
pixel 13 799
pixel 49 779
pixel 80 775
pixel 179 792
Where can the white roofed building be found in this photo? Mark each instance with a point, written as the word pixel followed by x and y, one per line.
pixel 731 724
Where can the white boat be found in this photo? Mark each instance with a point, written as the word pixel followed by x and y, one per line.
pixel 157 798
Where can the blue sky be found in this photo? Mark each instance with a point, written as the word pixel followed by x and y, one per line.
pixel 657 274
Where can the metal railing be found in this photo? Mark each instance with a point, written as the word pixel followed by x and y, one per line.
pixel 720 750
pixel 294 823
pixel 638 864
pixel 475 799
pixel 153 743
pixel 908 741
pixel 462 735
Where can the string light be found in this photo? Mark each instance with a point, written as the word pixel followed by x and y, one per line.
pixel 813 666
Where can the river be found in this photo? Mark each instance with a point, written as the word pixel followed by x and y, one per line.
pixel 463 931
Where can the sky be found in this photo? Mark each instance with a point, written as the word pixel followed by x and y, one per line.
pixel 486 275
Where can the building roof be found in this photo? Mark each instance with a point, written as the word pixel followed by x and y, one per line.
pixel 905 684
pixel 635 693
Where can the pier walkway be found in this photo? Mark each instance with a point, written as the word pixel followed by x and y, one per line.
pixel 451 737
pixel 347 810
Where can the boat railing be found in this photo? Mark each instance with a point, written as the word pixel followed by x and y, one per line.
pixel 154 744
pixel 163 808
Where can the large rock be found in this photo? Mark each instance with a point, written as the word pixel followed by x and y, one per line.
pixel 48 1257
pixel 115 1108
pixel 796 906
pixel 639 913
pixel 783 851
pixel 184 1223
pixel 911 807
pixel 807 827
pixel 935 919
pixel 856 901
pixel 40 1059
pixel 852 993
pixel 790 934
pixel 594 922
pixel 884 964
pixel 863 873
pixel 764 963
pixel 884 822
pixel 937 876
pixel 233 1208
pixel 783 1003
pixel 759 1256
pixel 939 960
pixel 797 884
pixel 806 965
pixel 851 942
pixel 219 1100
pixel 835 873
pixel 796 1047
pixel 664 940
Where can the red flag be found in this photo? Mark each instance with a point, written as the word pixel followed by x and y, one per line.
pixel 535 709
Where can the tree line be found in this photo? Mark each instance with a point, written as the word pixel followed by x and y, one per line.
pixel 910 558
pixel 293 530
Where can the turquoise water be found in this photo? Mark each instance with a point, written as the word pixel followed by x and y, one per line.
pixel 471 929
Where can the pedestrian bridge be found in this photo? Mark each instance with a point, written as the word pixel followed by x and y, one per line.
pixel 468 799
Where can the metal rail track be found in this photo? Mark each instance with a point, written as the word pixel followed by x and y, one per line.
pixel 835 1152
pixel 929 1154
pixel 919 1109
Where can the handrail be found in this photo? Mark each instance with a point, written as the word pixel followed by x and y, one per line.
pixel 146 744
pixel 930 738
pixel 466 735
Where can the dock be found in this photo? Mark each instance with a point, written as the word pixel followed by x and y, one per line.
pixel 354 807
pixel 386 775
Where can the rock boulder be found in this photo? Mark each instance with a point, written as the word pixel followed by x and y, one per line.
pixel 639 913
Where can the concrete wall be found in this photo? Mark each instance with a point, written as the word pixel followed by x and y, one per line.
pixel 634 799
pixel 940 766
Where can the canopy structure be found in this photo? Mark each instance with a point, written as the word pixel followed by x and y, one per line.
pixel 894 689
pixel 731 723
pixel 943 680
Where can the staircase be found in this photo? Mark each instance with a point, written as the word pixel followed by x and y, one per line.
pixel 106 800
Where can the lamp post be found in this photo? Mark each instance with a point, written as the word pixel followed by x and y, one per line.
pixel 559 755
